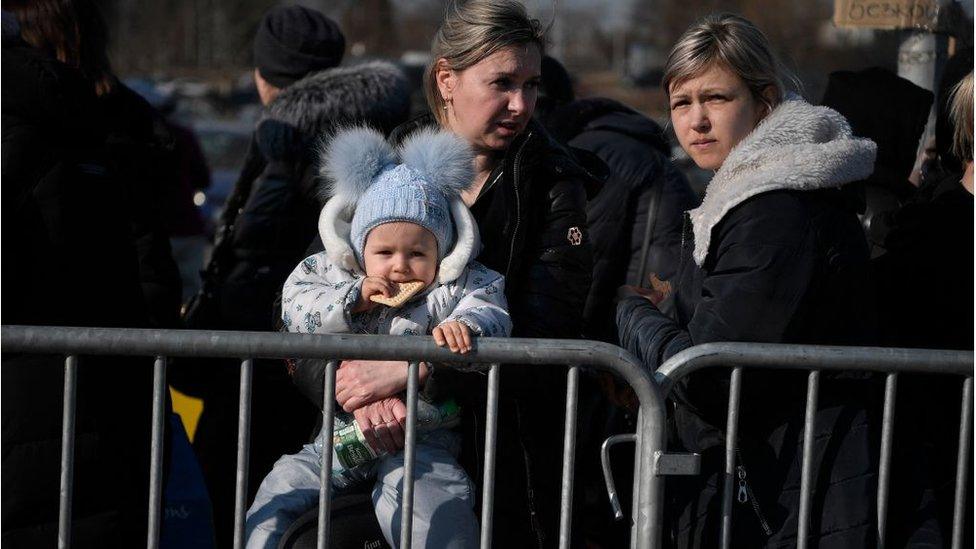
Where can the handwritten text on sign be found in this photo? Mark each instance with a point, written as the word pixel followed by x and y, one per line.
pixel 886 14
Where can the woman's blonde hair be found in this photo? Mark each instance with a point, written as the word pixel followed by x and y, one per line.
pixel 473 30
pixel 961 110
pixel 733 42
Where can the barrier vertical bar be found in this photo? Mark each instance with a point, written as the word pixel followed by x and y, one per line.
pixel 67 451
pixel 963 461
pixel 243 450
pixel 491 437
pixel 651 484
pixel 156 451
pixel 806 479
pixel 569 458
pixel 325 475
pixel 731 443
pixel 635 497
pixel 409 456
pixel 884 464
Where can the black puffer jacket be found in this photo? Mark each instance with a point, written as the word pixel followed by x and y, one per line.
pixel 636 152
pixel 268 221
pixel 526 218
pixel 776 255
pixel 68 260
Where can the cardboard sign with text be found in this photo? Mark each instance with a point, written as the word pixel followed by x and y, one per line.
pixel 887 14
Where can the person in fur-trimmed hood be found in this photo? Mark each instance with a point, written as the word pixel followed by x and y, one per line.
pixel 267 223
pixel 388 224
pixel 774 254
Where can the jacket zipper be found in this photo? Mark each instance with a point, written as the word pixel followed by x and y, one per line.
pixel 533 515
pixel 745 494
pixel 518 205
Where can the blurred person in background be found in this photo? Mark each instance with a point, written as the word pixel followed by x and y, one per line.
pixel 925 300
pixel 266 226
pixel 70 259
pixel 774 254
pixel 636 216
pixel 138 145
pixel 186 173
pixel 637 153
pixel 895 125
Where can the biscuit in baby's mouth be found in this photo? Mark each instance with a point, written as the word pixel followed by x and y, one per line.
pixel 406 291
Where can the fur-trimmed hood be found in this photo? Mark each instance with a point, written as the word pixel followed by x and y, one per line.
pixel 799 147
pixel 376 94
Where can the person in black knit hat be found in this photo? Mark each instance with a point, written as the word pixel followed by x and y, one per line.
pixel 291 42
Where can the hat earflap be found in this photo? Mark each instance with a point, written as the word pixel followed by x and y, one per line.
pixel 349 165
pixel 466 246
pixel 441 158
pixel 334 229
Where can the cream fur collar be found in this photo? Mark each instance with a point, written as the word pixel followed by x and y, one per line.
pixel 798 146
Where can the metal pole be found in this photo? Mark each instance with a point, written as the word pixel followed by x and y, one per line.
pixel 569 458
pixel 651 485
pixel 731 443
pixel 409 457
pixel 921 58
pixel 648 233
pixel 67 451
pixel 491 437
pixel 963 462
pixel 884 465
pixel 243 450
pixel 325 475
pixel 635 489
pixel 156 451
pixel 806 480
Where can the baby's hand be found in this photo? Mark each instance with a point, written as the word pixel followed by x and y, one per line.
pixel 373 285
pixel 456 335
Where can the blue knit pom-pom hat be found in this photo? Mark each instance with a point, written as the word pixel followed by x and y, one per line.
pixel 368 187
pixel 401 194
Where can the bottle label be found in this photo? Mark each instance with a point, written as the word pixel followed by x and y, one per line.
pixel 351 448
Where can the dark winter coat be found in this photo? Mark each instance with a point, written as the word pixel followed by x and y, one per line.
pixel 267 223
pixel 637 154
pixel 68 260
pixel 141 153
pixel 526 215
pixel 928 268
pixel 895 124
pixel 774 254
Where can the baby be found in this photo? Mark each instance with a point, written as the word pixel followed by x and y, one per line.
pixel 408 224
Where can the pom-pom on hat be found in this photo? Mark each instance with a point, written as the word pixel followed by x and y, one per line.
pixel 369 188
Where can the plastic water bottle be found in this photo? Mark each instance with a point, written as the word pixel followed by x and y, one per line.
pixel 351 450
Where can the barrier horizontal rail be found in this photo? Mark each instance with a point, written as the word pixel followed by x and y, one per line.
pixel 250 345
pixel 817 359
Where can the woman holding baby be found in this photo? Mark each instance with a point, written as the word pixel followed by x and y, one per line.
pixel 527 199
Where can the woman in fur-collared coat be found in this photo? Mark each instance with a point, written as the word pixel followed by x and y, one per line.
pixel 774 254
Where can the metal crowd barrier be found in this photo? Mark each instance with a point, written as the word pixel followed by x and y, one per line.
pixel 74 342
pixel 824 358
